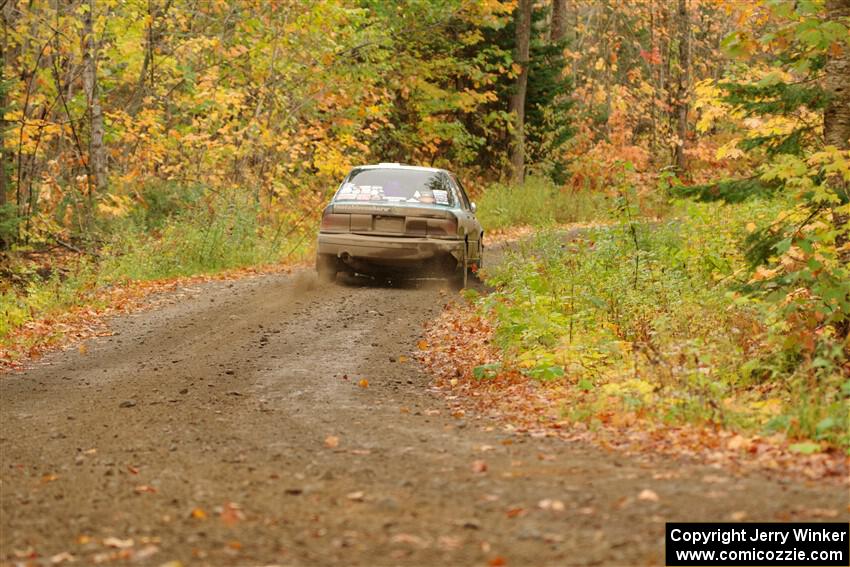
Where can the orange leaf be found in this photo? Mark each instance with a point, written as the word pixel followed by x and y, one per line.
pixel 230 514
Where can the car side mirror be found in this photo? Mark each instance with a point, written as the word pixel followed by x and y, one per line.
pixel 473 207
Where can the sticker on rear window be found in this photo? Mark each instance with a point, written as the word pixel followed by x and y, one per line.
pixel 348 191
pixel 397 185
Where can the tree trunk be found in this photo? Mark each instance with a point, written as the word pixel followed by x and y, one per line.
pixel 517 102
pixel 4 185
pixel 97 155
pixel 836 123
pixel 653 78
pixel 684 85
pixel 559 20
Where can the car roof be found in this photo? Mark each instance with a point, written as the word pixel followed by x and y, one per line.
pixel 385 165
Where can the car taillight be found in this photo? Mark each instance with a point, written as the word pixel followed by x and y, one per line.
pixel 334 222
pixel 442 227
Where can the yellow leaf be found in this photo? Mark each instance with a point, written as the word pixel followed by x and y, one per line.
pixel 363 383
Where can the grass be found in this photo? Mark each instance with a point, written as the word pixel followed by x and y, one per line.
pixel 201 240
pixel 538 203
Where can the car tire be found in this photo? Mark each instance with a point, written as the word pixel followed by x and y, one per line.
pixel 460 278
pixel 479 263
pixel 326 267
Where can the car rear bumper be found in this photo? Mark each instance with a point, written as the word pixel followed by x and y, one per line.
pixel 388 250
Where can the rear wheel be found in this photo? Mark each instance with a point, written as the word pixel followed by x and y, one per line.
pixel 326 267
pixel 475 267
pixel 460 277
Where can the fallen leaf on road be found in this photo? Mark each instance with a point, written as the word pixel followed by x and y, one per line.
pixel 479 466
pixel 83 539
pixel 738 516
pixel 516 512
pixel 355 496
pixel 49 478
pixel 118 543
pixel 549 504
pixel 363 383
pixel 403 359
pixel 132 469
pixel 409 539
pixel 331 441
pixel 61 558
pixel 449 543
pixel 199 514
pixel 28 553
pixel 145 552
pixel 231 513
pixel 144 488
pixel 666 475
pixel 497 561
pixel 83 349
pixel 233 544
pixel 648 495
pixel 819 513
pixel 422 344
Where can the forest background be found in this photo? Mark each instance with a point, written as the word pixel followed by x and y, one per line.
pixel 706 141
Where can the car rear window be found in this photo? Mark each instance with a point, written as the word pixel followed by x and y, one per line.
pixel 398 186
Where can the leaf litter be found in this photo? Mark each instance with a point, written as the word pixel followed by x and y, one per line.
pixel 460 341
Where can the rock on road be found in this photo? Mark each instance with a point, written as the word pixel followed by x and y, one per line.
pixel 230 427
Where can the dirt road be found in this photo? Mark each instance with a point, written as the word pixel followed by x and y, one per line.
pixel 204 432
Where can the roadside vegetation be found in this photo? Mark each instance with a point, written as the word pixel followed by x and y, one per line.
pixel 658 320
pixel 539 202
pixel 144 250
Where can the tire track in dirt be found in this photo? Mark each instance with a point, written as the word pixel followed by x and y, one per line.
pixel 220 404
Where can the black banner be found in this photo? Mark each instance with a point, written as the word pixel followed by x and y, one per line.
pixel 762 544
